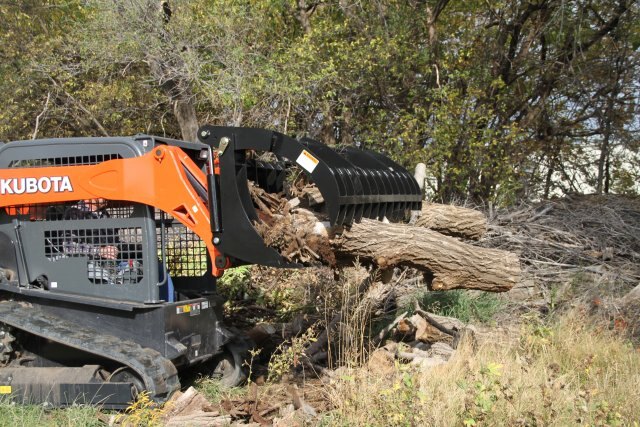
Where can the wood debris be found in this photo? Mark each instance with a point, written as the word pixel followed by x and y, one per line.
pixel 301 236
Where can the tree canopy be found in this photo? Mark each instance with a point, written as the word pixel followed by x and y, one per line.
pixel 502 100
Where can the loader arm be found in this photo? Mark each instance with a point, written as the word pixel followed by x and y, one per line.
pixel 165 178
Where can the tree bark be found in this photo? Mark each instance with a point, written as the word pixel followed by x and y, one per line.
pixel 453 220
pixel 185 113
pixel 451 263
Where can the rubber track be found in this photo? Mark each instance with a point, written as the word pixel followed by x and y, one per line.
pixel 158 373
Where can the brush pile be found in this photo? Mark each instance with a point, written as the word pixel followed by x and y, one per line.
pixel 596 237
pixel 582 248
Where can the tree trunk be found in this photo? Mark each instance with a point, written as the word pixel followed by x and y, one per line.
pixel 451 263
pixel 180 96
pixel 185 113
pixel 603 161
pixel 304 14
pixel 548 181
pixel 420 174
pixel 453 220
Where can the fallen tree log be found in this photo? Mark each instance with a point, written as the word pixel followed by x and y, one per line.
pixel 453 220
pixel 452 264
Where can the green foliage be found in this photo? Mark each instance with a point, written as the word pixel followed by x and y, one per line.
pixel 289 355
pixel 464 305
pixel 501 100
pixel 235 282
pixel 486 389
pixel 537 337
pixel 402 398
pixel 285 299
pixel 626 182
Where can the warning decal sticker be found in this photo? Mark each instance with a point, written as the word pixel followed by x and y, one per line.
pixel 307 161
pixel 192 309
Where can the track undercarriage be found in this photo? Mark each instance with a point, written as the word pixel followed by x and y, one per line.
pixel 48 359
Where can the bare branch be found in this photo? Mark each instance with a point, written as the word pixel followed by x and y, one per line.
pixel 42 113
pixel 81 107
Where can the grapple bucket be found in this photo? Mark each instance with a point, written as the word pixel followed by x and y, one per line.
pixel 354 184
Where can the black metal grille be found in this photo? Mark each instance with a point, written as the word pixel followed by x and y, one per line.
pixel 185 254
pixel 63 161
pixel 114 255
pixel 85 209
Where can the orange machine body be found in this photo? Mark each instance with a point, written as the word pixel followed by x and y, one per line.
pixel 157 178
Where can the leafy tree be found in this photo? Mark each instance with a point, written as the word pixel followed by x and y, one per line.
pixel 502 100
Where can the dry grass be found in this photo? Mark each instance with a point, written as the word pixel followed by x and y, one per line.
pixel 571 371
pixel 351 342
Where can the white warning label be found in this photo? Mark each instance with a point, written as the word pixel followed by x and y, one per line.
pixel 307 161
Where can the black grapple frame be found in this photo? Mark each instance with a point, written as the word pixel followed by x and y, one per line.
pixel 354 183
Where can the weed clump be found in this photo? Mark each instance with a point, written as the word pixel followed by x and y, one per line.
pixel 467 306
pixel 12 414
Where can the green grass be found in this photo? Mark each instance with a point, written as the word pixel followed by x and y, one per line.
pixel 36 415
pixel 214 391
pixel 464 305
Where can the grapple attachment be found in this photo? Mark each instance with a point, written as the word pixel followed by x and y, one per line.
pixel 354 184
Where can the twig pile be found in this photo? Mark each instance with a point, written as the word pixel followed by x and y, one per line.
pixel 558 239
pixel 192 408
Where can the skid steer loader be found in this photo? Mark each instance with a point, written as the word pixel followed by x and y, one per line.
pixel 110 249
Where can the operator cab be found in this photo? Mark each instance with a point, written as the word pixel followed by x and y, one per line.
pixel 107 249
